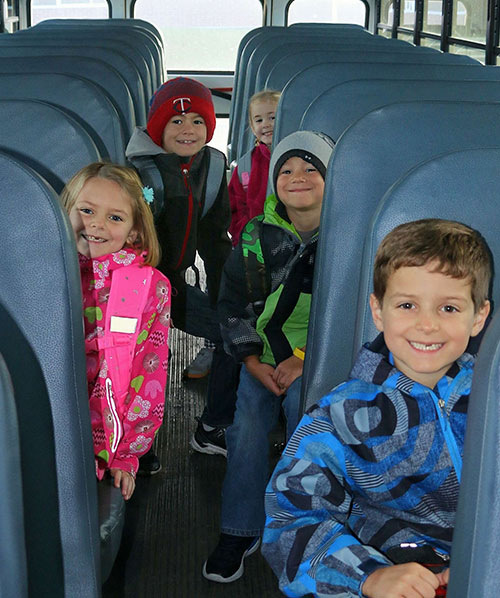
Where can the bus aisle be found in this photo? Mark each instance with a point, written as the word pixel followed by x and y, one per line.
pixel 172 520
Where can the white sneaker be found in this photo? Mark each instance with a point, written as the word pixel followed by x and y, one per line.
pixel 200 366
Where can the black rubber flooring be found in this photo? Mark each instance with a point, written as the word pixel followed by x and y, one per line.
pixel 172 521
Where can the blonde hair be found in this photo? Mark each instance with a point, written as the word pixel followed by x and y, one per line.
pixel 459 251
pixel 130 183
pixel 266 95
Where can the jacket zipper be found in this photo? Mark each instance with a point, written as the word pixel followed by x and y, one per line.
pixel 185 175
pixel 444 420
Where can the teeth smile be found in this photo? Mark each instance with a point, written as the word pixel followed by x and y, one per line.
pixel 94 239
pixel 424 347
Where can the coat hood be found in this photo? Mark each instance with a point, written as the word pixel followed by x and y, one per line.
pixel 141 144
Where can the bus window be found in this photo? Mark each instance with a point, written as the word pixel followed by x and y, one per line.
pixel 470 26
pixel 386 18
pixel 326 11
pixel 200 35
pixel 68 9
pixel 476 53
pixel 433 16
pixel 407 18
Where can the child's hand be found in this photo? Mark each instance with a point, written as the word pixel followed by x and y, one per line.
pixel 263 372
pixel 409 580
pixel 125 480
pixel 288 371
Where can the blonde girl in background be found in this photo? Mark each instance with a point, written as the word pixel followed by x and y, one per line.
pixel 248 185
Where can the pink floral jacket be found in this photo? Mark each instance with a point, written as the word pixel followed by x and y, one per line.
pixel 141 410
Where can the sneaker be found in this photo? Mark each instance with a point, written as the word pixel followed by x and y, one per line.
pixel 200 366
pixel 149 464
pixel 225 564
pixel 211 443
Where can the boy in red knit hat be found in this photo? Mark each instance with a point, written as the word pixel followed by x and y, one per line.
pixel 192 214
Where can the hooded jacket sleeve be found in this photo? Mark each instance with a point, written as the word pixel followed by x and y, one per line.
pixel 307 540
pixel 239 208
pixel 144 413
pixel 213 241
pixel 236 316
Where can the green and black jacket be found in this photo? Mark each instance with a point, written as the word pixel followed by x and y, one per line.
pixel 273 324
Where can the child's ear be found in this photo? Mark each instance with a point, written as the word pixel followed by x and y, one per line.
pixel 376 309
pixel 132 237
pixel 480 318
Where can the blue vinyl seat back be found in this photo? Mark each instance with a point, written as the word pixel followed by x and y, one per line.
pixel 86 102
pixel 275 66
pixel 41 290
pixel 138 40
pixel 127 23
pixel 307 85
pixel 369 157
pixel 460 186
pixel 260 61
pixel 474 567
pixel 340 106
pixel 119 62
pixel 61 38
pixel 39 501
pixel 373 54
pixel 13 569
pixel 89 68
pixel 248 53
pixel 54 144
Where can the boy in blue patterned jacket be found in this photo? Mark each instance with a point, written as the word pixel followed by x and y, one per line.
pixel 375 466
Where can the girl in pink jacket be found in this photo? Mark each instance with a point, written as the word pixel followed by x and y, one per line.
pixel 126 308
pixel 248 185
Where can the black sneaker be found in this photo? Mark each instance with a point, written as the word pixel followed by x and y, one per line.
pixel 211 443
pixel 225 564
pixel 149 464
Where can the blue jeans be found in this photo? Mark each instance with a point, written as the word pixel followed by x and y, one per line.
pixel 247 472
pixel 201 320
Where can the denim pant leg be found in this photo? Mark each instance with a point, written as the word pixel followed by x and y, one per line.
pixel 201 320
pixel 247 472
pixel 291 406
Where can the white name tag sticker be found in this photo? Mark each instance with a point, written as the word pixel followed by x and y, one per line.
pixel 125 325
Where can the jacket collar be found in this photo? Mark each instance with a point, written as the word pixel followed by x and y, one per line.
pixel 376 366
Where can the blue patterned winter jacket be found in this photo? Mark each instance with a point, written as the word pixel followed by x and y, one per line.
pixel 374 464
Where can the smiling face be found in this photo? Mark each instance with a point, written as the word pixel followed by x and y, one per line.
pixel 184 135
pixel 102 218
pixel 427 319
pixel 262 116
pixel 300 186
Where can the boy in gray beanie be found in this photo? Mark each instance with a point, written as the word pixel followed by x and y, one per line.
pixel 263 309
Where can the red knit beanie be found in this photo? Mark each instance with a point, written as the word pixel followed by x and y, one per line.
pixel 179 96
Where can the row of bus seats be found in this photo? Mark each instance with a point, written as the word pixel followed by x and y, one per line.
pixel 85 92
pixel 70 93
pixel 417 135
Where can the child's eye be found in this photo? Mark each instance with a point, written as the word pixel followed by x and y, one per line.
pixel 449 309
pixel 286 171
pixel 406 305
pixel 86 210
pixel 116 218
pixel 272 117
pixel 199 121
pixel 177 121
pixel 311 169
pixel 257 120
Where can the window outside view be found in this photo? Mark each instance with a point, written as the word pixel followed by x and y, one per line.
pixel 62 9
pixel 326 11
pixel 202 35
